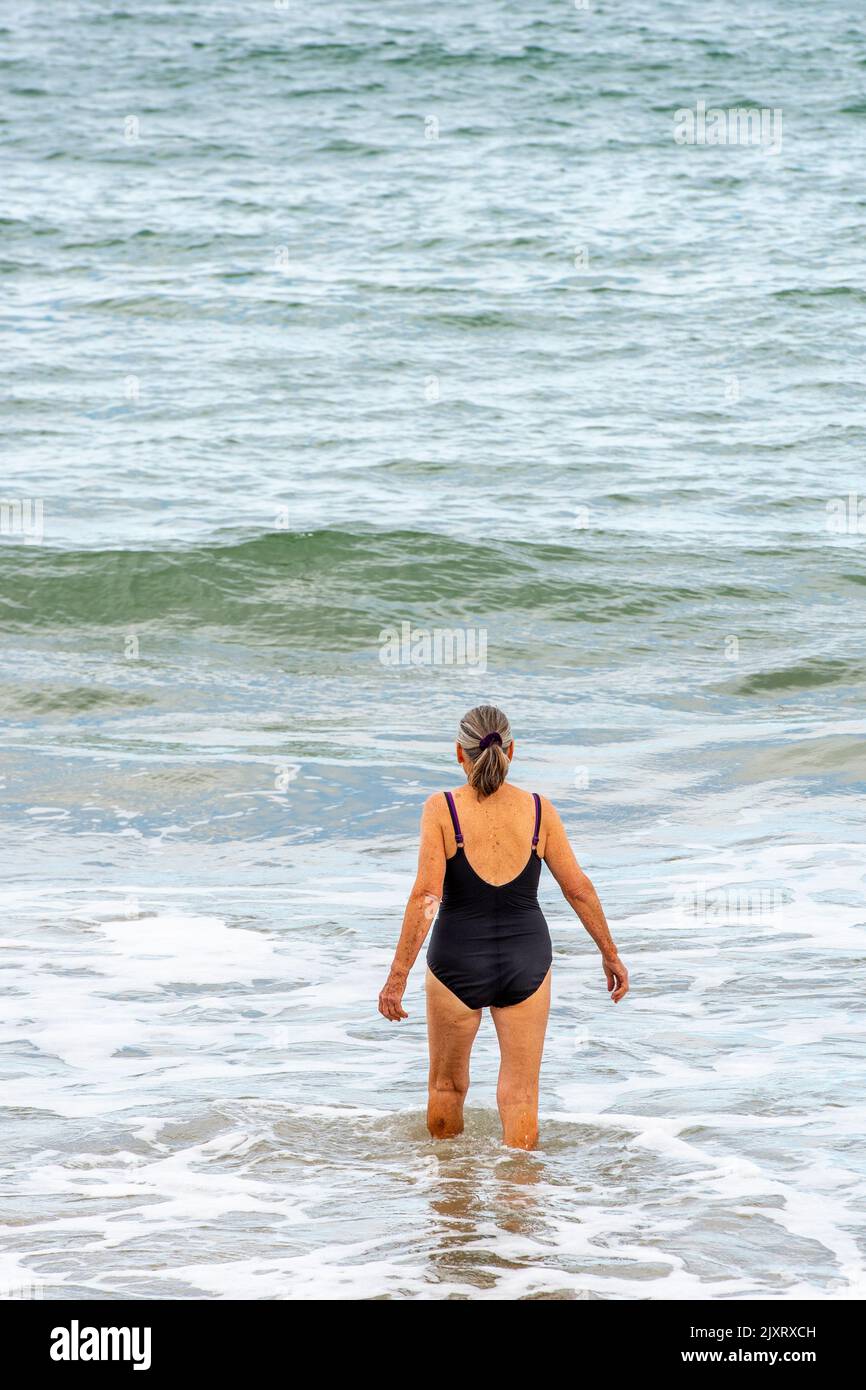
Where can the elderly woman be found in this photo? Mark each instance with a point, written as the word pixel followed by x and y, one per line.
pixel 490 946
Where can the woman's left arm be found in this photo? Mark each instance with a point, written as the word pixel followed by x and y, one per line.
pixel 420 911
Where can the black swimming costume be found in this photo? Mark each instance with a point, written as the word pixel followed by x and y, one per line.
pixel 490 944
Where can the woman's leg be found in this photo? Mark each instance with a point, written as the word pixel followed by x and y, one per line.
pixel 520 1029
pixel 451 1029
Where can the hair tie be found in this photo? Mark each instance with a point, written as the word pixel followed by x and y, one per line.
pixel 486 741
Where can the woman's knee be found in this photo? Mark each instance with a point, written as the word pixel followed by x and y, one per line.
pixel 518 1093
pixel 449 1086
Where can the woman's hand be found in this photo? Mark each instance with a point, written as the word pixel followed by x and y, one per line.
pixel 617 977
pixel 390 997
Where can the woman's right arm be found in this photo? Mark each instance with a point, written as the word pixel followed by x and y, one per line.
pixel 580 894
pixel 420 911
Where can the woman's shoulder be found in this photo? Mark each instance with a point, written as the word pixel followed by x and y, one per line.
pixel 509 792
pixel 548 809
pixel 436 805
pixel 435 801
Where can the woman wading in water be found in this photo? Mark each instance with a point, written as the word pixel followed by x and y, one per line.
pixel 490 946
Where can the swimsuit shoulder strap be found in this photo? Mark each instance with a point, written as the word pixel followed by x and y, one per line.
pixel 537 799
pixel 458 833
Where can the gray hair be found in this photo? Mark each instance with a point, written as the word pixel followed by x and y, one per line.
pixel 487 768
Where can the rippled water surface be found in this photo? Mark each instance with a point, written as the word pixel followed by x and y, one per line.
pixel 322 320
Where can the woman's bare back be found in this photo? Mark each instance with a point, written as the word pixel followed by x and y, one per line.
pixel 497 831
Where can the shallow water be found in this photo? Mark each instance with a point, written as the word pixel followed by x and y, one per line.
pixel 286 373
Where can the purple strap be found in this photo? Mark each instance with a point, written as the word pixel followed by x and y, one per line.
pixel 537 800
pixel 458 833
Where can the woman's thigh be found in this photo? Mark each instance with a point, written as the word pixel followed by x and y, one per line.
pixel 521 1029
pixel 451 1029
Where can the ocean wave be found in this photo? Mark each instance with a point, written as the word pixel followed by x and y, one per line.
pixel 322 584
pixel 803 675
